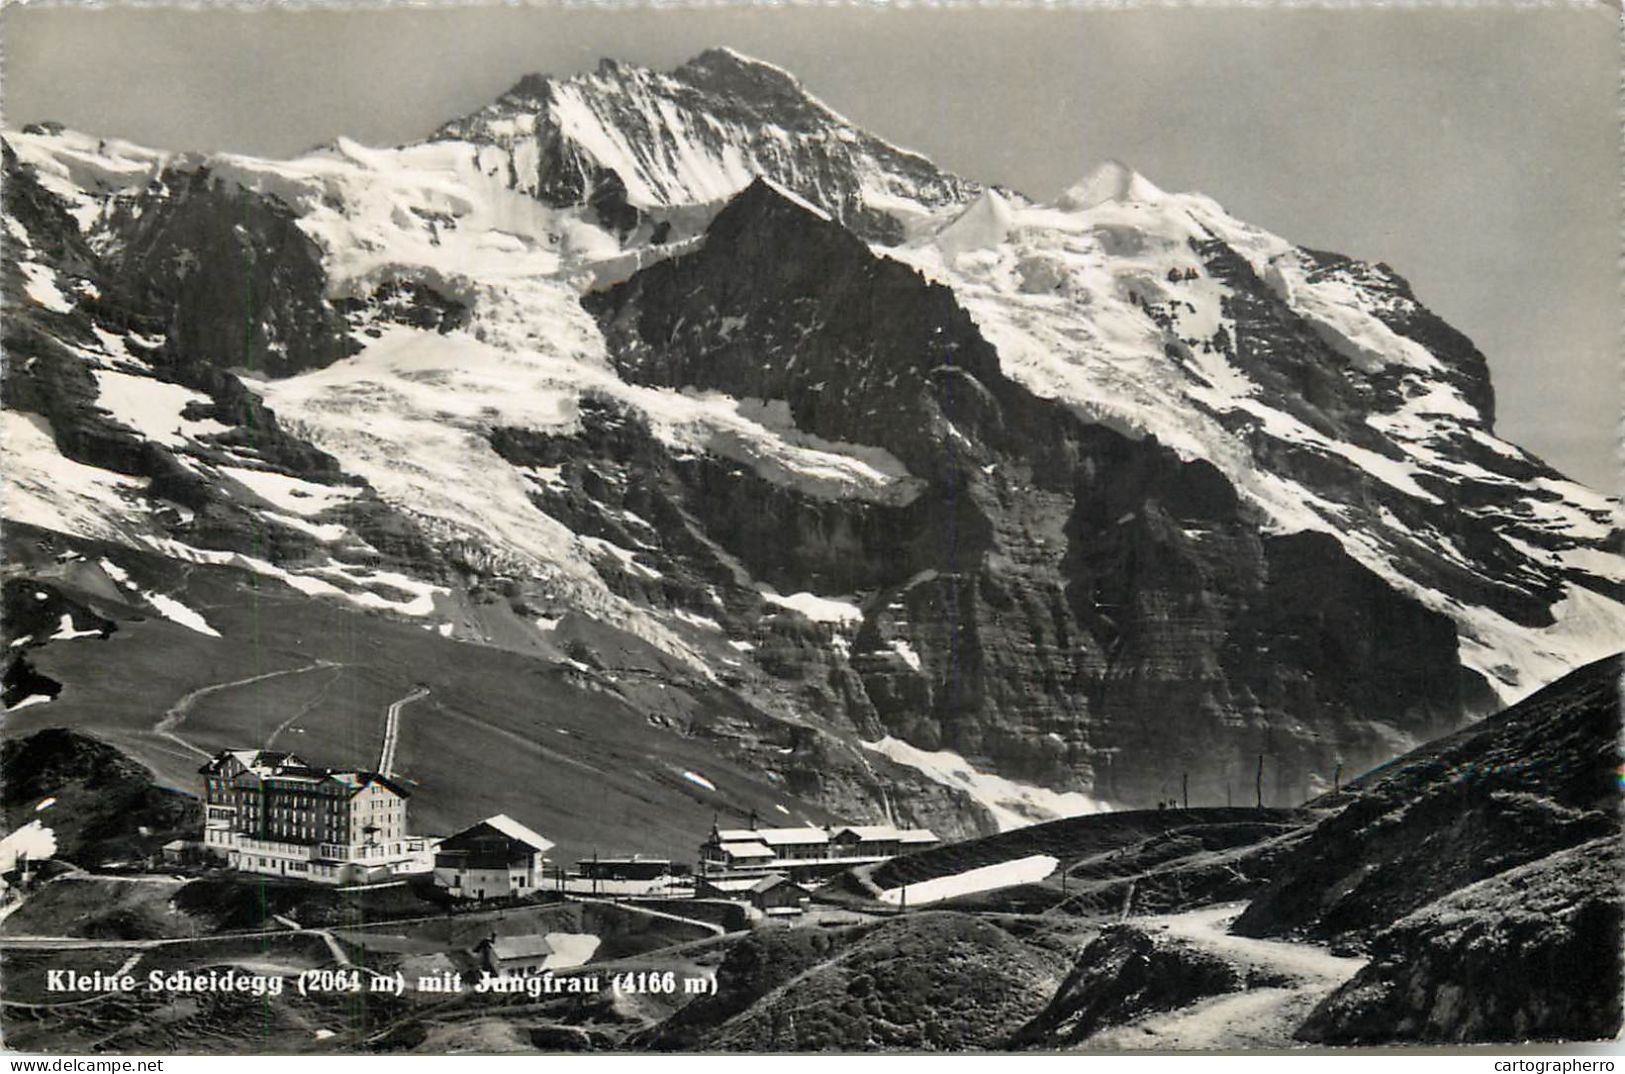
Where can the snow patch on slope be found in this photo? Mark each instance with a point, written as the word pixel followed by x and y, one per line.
pixel 176 612
pixel 1028 870
pixel 42 487
pixel 152 407
pixel 1012 804
pixel 818 609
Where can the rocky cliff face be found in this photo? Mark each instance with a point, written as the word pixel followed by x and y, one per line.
pixel 1056 581
pixel 233 279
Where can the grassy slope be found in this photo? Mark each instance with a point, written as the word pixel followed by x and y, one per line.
pixel 561 750
pixel 933 981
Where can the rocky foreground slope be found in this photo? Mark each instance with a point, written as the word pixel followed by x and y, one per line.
pixel 1516 940
pixel 1128 939
pixel 1540 777
pixel 929 499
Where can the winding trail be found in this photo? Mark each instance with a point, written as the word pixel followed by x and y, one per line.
pixel 306 709
pixel 392 729
pixel 1265 1017
pixel 168 726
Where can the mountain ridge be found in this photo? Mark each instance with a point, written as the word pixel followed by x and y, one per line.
pixel 516 372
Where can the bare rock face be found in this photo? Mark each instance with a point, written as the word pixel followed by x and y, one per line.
pixel 1531 954
pixel 1059 602
pixel 227 270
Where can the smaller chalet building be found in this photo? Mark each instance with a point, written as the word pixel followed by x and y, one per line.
pixel 777 895
pixel 774 894
pixel 494 859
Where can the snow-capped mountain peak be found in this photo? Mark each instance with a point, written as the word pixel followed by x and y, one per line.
pixel 1111 180
pixel 636 142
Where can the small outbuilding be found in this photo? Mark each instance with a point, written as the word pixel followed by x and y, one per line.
pixel 778 895
pixel 637 867
pixel 514 956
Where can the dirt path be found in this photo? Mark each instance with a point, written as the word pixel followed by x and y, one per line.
pixel 168 726
pixel 710 926
pixel 392 730
pixel 1257 1018
pixel 306 709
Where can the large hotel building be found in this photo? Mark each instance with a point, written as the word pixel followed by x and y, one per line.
pixel 271 813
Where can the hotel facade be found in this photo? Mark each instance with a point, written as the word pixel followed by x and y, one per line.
pixel 271 813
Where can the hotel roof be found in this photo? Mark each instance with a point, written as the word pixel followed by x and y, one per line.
pixel 287 768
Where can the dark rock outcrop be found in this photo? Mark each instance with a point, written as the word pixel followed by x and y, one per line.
pixel 1126 973
pixel 235 281
pixel 107 808
pixel 1532 954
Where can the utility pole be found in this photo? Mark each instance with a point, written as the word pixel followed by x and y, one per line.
pixel 1259 782
pixel 1185 789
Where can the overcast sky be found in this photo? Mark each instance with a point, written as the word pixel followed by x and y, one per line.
pixel 1475 151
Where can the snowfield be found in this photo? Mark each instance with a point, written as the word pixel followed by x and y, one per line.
pixel 176 612
pixel 44 488
pixel 1012 804
pixel 152 407
pixel 1061 291
pixel 570 949
pixel 1005 874
pixel 818 609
